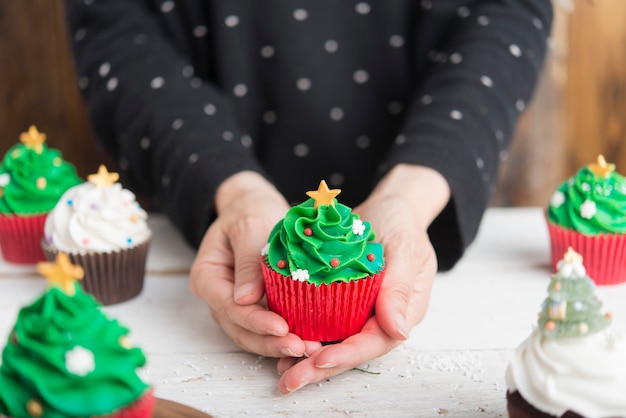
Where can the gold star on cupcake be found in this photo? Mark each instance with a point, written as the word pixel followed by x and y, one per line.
pixel 33 139
pixel 103 178
pixel 323 196
pixel 572 256
pixel 601 168
pixel 62 273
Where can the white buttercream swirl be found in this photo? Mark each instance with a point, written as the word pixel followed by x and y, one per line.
pixel 586 375
pixel 101 219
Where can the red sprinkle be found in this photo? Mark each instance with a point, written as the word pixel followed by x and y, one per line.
pixel 308 232
pixel 281 264
pixel 334 262
pixel 371 257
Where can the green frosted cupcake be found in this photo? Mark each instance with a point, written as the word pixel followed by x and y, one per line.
pixel 66 358
pixel 588 213
pixel 32 179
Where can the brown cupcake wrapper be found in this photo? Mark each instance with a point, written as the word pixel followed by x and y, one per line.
pixel 326 313
pixel 111 277
pixel 604 255
pixel 20 237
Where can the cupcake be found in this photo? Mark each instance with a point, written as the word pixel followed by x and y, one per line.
pixel 588 213
pixel 102 228
pixel 66 358
pixel 32 179
pixel 322 268
pixel 571 365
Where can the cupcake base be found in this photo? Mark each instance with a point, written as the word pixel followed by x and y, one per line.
pixel 325 313
pixel 110 277
pixel 518 407
pixel 604 255
pixel 20 237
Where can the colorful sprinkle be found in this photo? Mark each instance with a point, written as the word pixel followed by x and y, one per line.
pixel 124 341
pixel 583 328
pixel 371 257
pixel 308 232
pixel 41 183
pixel 134 218
pixel 129 240
pixel 70 202
pixel 14 338
pixel 281 264
pixel 557 286
pixel 34 408
pixel 85 241
pixel 608 315
pixel 4 179
pixel 334 262
pixel 57 161
pixel 94 206
pixel 550 325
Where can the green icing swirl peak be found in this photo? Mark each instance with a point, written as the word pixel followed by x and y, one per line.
pixel 66 355
pixel 571 308
pixel 33 177
pixel 591 202
pixel 324 245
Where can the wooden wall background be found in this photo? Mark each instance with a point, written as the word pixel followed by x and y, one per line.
pixel 579 108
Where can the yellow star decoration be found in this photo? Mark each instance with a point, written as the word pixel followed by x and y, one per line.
pixel 62 273
pixel 572 256
pixel 601 168
pixel 323 196
pixel 103 178
pixel 33 139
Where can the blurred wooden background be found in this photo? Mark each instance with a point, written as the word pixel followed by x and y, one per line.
pixel 579 108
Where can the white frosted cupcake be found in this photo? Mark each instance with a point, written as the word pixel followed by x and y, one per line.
pixel 100 225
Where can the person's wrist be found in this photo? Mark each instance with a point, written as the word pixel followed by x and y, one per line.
pixel 240 184
pixel 423 188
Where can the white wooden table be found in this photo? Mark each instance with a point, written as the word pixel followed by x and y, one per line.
pixel 452 365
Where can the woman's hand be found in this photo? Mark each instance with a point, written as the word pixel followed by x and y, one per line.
pixel 227 271
pixel 400 210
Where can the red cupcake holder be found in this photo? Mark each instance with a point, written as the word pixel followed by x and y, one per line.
pixel 326 313
pixel 141 408
pixel 20 238
pixel 604 255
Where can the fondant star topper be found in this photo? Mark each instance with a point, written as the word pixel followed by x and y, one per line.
pixel 103 178
pixel 323 196
pixel 572 256
pixel 62 273
pixel 601 168
pixel 33 139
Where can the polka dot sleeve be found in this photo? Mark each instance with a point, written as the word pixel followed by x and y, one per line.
pixel 166 127
pixel 479 70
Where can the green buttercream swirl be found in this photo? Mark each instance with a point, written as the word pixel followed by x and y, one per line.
pixel 331 237
pixel 31 183
pixel 34 366
pixel 608 194
pixel 580 309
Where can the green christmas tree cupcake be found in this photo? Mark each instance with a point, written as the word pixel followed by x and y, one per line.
pixel 322 268
pixel 588 212
pixel 65 358
pixel 571 365
pixel 32 179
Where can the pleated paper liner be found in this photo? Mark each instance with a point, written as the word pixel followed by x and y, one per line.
pixel 604 255
pixel 326 313
pixel 141 408
pixel 20 238
pixel 111 277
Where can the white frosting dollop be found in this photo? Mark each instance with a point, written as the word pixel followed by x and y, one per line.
pixel 586 375
pixel 101 219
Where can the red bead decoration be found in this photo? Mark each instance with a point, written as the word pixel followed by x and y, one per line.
pixel 557 286
pixel 334 262
pixel 308 232
pixel 371 257
pixel 550 325
pixel 281 264
pixel 14 338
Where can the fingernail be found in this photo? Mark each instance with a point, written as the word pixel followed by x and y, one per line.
pixel 326 365
pixel 298 387
pixel 401 326
pixel 243 290
pixel 286 351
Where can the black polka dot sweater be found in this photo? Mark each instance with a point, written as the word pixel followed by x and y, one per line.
pixel 185 93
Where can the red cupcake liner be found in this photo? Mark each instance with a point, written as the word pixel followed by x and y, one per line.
pixel 111 277
pixel 604 255
pixel 20 238
pixel 141 408
pixel 326 313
